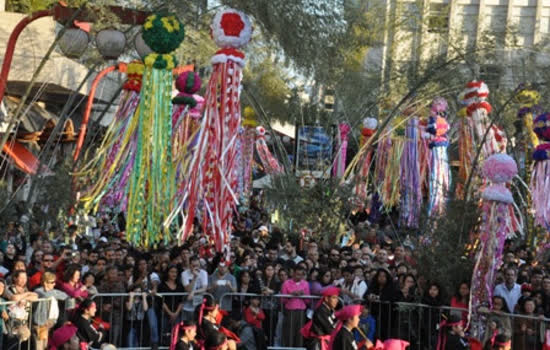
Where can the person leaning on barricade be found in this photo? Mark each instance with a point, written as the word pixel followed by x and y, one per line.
pixel 46 312
pixel 317 331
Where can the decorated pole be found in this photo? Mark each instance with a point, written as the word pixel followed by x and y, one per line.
pixel 498 222
pixel 152 182
pixel 213 171
pixel 411 188
pixel 440 174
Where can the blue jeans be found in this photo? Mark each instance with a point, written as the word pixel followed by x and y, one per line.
pixel 153 325
pixel 132 338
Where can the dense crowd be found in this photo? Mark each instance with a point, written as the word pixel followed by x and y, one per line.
pixel 78 270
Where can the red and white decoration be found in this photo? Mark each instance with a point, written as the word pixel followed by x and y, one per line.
pixel 270 164
pixel 213 169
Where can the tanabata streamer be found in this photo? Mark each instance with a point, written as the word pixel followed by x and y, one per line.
pixel 247 141
pixel 466 144
pixel 115 157
pixel 411 188
pixel 270 164
pixel 527 98
pixel 152 187
pixel 213 170
pixel 340 161
pixel 362 178
pixel 439 163
pixel 498 222
pixel 540 178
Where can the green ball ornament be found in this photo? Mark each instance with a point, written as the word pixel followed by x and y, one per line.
pixel 163 34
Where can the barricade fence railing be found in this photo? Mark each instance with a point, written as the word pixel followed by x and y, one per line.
pixel 139 321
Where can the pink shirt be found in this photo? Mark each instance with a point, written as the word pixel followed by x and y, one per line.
pixel 295 303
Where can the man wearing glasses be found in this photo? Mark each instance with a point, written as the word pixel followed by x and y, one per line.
pixel 47 311
pixel 45 265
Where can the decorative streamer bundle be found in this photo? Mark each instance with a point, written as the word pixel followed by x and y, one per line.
pixel 388 165
pixel 439 163
pixel 527 98
pixel 498 222
pixel 362 178
pixel 411 188
pixel 466 148
pixel 213 170
pixel 247 141
pixel 115 157
pixel 186 110
pixel 340 161
pixel 270 164
pixel 152 183
pixel 540 178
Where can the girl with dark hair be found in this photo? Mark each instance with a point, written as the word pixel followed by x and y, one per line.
pixel 171 304
pixel 183 336
pixel 83 322
pixel 461 300
pixel 71 283
pixel 498 322
pixel 431 315
pixel 526 329
pixel 269 285
pixel 382 295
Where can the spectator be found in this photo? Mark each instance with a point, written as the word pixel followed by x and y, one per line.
pixel 112 307
pixel 461 300
pixel 9 256
pixel 89 282
pixel 381 260
pixel 509 290
pixel 352 288
pixel 536 279
pixel 290 252
pixel 269 285
pixel 18 330
pixel 36 262
pixel 526 329
pixel 434 299
pixel 349 320
pixel 83 322
pixel 222 282
pixel 294 308
pixel 136 307
pixel 45 264
pixel 71 284
pixel 195 282
pixel 46 312
pixel 381 294
pixel 498 322
pixel 171 304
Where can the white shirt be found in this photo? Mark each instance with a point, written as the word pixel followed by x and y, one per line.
pixel 202 282
pixel 510 296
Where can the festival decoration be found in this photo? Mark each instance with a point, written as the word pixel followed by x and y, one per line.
pixel 498 222
pixel 411 188
pixel 74 42
pixel 527 140
pixel 115 157
pixel 247 140
pixel 270 164
pixel 213 168
pixel 540 178
pixel 362 179
pixel 187 108
pixel 466 146
pixel 152 182
pixel 110 43
pixel 440 175
pixel 340 161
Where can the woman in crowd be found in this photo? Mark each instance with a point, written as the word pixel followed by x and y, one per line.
pixel 136 307
pixel 269 285
pixel 19 331
pixel 431 315
pixel 498 322
pixel 89 282
pixel 407 319
pixel 71 284
pixel 171 304
pixel 381 294
pixel 461 300
pixel 526 328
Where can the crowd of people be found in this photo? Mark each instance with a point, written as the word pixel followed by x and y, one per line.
pixel 67 289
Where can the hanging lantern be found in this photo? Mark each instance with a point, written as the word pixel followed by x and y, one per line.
pixel 110 43
pixel 141 46
pixel 74 42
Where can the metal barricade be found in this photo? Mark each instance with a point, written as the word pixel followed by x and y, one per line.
pixel 22 323
pixel 131 326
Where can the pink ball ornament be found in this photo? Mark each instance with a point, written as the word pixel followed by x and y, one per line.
pixel 260 131
pixel 500 168
pixel 188 82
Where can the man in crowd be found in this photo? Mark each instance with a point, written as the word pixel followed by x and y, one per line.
pixel 290 252
pixel 222 282
pixel 45 265
pixel 510 291
pixel 195 282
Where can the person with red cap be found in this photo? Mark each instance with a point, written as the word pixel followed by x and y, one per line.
pixel 342 337
pixel 317 331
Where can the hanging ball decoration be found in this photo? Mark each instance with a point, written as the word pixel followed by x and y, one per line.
pixel 141 46
pixel 370 123
pixel 500 168
pixel 231 29
pixel 163 34
pixel 187 83
pixel 260 131
pixel 74 42
pixel 110 43
pixel 249 117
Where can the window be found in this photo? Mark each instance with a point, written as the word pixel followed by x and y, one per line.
pixel 438 18
pixel 490 73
